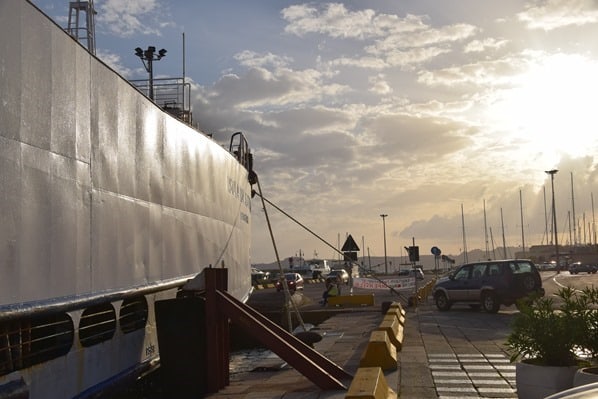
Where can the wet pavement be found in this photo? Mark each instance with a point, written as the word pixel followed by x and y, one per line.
pixel 459 353
pixel 456 354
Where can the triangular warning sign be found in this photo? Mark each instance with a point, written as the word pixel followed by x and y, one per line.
pixel 349 245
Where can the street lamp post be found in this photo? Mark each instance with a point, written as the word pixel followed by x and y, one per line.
pixel 383 216
pixel 556 242
pixel 148 57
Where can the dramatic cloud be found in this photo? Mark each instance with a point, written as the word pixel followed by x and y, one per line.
pixel 417 112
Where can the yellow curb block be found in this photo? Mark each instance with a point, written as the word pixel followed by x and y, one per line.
pixel 355 300
pixel 397 308
pixel 394 329
pixel 380 352
pixel 369 383
pixel 397 314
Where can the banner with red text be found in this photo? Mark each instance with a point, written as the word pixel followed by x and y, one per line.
pixel 407 283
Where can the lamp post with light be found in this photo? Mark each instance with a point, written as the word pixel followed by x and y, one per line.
pixel 556 243
pixel 383 216
pixel 148 57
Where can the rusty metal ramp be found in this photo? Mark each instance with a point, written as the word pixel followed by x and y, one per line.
pixel 310 363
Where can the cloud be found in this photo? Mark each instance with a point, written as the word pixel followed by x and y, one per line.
pixel 379 85
pixel 275 87
pixel 389 40
pixel 255 60
pixel 494 72
pixel 131 17
pixel 336 21
pixel 476 46
pixel 554 14
pixel 115 62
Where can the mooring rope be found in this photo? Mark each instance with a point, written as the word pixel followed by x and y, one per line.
pixel 361 269
pixel 284 280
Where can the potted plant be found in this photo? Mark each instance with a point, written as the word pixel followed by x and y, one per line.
pixel 546 337
pixel 588 300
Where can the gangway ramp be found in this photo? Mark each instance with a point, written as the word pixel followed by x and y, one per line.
pixel 194 340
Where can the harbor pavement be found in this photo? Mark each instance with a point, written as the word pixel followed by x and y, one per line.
pixel 456 354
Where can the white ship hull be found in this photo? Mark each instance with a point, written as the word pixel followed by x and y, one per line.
pixel 107 204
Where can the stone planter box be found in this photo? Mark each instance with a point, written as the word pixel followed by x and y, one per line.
pixel 537 382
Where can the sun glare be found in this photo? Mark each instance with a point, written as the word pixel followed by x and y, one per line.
pixel 551 110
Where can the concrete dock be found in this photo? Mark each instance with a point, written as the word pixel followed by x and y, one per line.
pixel 455 354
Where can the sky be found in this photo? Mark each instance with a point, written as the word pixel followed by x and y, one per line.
pixel 442 115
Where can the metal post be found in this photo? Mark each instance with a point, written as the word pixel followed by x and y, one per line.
pixel 148 57
pixel 556 242
pixel 150 69
pixel 383 216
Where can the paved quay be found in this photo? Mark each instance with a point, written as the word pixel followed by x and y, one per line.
pixel 454 354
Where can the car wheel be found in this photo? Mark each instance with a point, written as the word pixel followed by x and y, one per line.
pixel 442 302
pixel 490 302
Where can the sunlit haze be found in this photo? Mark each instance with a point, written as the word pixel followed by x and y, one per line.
pixel 415 109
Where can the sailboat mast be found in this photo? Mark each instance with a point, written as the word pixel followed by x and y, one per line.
pixel 486 231
pixel 492 240
pixel 504 244
pixel 521 212
pixel 573 209
pixel 593 218
pixel 464 242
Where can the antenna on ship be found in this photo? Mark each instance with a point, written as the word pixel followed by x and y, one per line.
pixel 83 34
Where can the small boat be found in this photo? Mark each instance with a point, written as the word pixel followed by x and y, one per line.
pixel 108 203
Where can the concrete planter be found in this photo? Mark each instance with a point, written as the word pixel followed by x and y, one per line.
pixel 586 375
pixel 537 382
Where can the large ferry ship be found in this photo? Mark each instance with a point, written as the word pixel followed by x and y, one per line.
pixel 107 205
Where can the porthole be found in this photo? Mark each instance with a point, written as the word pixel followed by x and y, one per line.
pixel 30 341
pixel 133 314
pixel 98 324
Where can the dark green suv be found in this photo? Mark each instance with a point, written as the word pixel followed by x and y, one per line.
pixel 488 284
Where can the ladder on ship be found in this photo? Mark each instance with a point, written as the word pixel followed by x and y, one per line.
pixel 84 34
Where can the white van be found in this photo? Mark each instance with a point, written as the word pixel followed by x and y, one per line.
pixel 319 268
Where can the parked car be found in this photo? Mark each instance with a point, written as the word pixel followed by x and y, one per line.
pixel 488 284
pixel 340 274
pixel 579 267
pixel 259 277
pixel 294 282
pixel 418 273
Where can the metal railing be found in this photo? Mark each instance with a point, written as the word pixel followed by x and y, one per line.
pixel 173 95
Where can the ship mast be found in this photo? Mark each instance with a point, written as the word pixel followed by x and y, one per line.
pixel 84 34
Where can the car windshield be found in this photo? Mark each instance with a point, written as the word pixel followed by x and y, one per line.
pixel 290 277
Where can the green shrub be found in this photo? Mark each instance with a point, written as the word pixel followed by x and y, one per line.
pixel 547 334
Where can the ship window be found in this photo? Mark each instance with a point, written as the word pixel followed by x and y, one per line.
pixel 33 340
pixel 133 314
pixel 97 324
